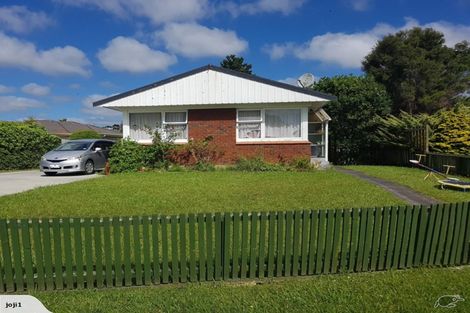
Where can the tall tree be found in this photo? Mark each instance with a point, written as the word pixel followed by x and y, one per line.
pixel 360 100
pixel 419 71
pixel 236 63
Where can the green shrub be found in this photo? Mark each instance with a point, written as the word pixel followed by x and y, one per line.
pixel 257 164
pixel 156 155
pixel 85 134
pixel 302 164
pixel 23 144
pixel 126 156
pixel 203 167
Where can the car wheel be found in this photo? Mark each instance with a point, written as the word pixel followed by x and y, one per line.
pixel 50 173
pixel 89 167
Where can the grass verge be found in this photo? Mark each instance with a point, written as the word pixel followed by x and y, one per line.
pixel 414 178
pixel 390 291
pixel 191 192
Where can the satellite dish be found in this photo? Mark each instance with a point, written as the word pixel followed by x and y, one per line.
pixel 306 80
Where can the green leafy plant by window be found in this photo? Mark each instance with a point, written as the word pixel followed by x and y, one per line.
pixel 23 144
pixel 85 134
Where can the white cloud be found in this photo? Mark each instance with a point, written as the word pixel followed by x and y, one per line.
pixel 36 90
pixel 56 61
pixel 13 103
pixel 194 40
pixel 348 50
pixel 269 6
pixel 359 5
pixel 157 11
pixel 125 54
pixel 21 20
pixel 6 89
pixel 98 112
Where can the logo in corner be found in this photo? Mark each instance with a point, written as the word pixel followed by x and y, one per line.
pixel 448 301
pixel 21 304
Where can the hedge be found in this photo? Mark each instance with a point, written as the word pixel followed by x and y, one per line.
pixel 23 143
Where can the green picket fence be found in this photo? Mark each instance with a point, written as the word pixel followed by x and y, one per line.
pixel 72 253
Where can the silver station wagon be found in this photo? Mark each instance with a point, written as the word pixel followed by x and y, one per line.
pixel 83 155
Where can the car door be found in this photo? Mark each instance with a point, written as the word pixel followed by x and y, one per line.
pixel 98 155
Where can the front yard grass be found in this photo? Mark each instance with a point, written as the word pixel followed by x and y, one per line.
pixel 414 178
pixel 191 192
pixel 414 290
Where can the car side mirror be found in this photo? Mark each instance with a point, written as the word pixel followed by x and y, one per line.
pixel 97 149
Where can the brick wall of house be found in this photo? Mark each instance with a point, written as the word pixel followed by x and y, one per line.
pixel 221 125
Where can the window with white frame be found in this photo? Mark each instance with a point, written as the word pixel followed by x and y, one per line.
pixel 176 125
pixel 249 124
pixel 269 124
pixel 143 125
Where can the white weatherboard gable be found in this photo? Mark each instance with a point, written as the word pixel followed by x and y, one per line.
pixel 211 87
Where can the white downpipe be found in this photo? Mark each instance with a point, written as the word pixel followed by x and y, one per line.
pixel 326 141
pixel 126 130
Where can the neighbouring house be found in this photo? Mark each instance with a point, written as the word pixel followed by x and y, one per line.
pixel 246 115
pixel 64 129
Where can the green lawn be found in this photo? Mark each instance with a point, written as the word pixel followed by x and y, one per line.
pixel 186 192
pixel 414 178
pixel 413 290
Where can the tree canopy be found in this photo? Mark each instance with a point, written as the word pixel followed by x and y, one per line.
pixel 419 71
pixel 236 63
pixel 360 100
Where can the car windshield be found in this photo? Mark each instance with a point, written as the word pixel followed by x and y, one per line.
pixel 74 146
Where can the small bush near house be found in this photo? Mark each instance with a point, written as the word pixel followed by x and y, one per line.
pixel 196 152
pixel 157 154
pixel 301 164
pixel 85 134
pixel 257 164
pixel 126 156
pixel 23 143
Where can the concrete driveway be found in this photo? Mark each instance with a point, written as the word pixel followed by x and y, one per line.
pixel 14 182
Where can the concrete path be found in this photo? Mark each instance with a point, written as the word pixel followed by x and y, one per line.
pixel 402 192
pixel 14 182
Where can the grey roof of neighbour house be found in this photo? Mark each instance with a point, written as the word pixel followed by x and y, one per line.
pixel 251 77
pixel 65 128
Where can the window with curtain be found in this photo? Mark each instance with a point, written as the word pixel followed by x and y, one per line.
pixel 249 123
pixel 143 125
pixel 176 125
pixel 282 123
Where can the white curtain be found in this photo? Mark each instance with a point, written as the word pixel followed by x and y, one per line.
pixel 249 130
pixel 142 125
pixel 249 115
pixel 282 123
pixel 175 117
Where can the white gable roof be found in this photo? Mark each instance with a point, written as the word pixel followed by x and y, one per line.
pixel 212 85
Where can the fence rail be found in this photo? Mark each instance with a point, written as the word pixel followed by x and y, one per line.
pixel 74 253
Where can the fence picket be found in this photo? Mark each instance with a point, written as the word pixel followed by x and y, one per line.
pixel 108 253
pixel 201 228
pixel 210 250
pixel 429 234
pixel 68 253
pixel 6 255
pixel 436 234
pixel 449 236
pixel 117 251
pixel 296 243
pixel 253 245
pixel 354 239
pixel 98 253
pixel 466 242
pixel 329 240
pixel 397 250
pixel 146 250
pixel 126 223
pixel 183 257
pixel 136 221
pixel 192 247
pixel 271 243
pixel 378 212
pixel 27 255
pixel 345 240
pixel 236 246
pixel 165 269
pixel 174 249
pixel 16 253
pixel 88 254
pixel 313 241
pixel 461 236
pixel 280 244
pixel 391 237
pixel 156 270
pixel 288 244
pixel 413 235
pixel 304 249
pixel 226 246
pixel 59 279
pixel 38 253
pixel 218 246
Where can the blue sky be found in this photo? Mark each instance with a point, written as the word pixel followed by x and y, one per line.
pixel 57 56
